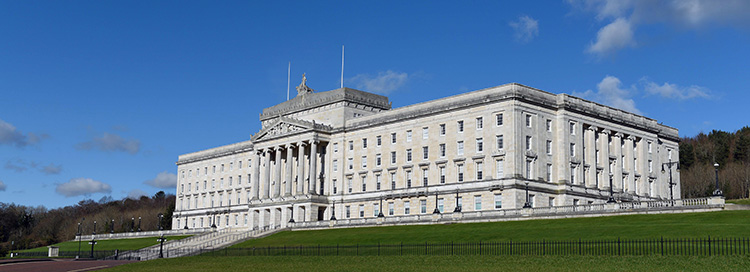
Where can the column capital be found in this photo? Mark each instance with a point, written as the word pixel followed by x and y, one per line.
pixel 301 144
pixel 619 135
pixel 605 131
pixel 592 128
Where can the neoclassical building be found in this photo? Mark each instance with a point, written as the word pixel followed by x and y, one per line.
pixel 346 153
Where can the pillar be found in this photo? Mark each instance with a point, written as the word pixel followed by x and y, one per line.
pixel 589 158
pixel 266 173
pixel 288 176
pixel 277 173
pixel 629 164
pixel 255 185
pixel 604 158
pixel 313 166
pixel 617 182
pixel 301 168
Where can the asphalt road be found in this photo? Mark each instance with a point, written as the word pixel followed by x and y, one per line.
pixel 58 265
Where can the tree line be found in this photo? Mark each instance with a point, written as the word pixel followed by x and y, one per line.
pixel 23 227
pixel 698 155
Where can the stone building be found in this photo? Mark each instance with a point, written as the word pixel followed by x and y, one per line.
pixel 346 153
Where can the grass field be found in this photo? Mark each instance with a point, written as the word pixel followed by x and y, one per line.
pixel 686 225
pixel 443 263
pixel 121 244
pixel 744 201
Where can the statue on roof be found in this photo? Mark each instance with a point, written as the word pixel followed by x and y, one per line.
pixel 302 88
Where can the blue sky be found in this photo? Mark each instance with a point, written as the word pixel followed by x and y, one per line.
pixel 98 98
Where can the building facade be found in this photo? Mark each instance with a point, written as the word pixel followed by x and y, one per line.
pixel 346 153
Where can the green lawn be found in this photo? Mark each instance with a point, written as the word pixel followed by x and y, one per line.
pixel 443 263
pixel 686 225
pixel 121 244
pixel 744 201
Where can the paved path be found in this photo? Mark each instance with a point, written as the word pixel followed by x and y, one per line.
pixel 58 265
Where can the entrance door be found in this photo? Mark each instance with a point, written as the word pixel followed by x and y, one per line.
pixel 321 212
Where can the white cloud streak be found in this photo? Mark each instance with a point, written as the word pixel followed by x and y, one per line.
pixel 613 37
pixel 526 29
pixel 610 93
pixel 164 180
pixel 111 143
pixel 10 135
pixel 82 186
pixel 384 83
pixel 51 169
pixel 673 91
pixel 3 187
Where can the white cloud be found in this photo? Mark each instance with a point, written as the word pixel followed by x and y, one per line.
pixel 111 142
pixel 668 90
pixel 51 169
pixel 3 186
pixel 136 194
pixel 11 136
pixel 610 93
pixel 164 180
pixel 526 28
pixel 82 186
pixel 384 83
pixel 613 37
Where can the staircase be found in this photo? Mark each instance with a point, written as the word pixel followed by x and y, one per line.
pixel 195 245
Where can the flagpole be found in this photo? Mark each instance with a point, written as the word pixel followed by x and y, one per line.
pixel 288 73
pixel 342 66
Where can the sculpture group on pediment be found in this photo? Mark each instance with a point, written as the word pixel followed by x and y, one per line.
pixel 302 88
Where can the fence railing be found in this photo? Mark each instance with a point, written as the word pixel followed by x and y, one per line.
pixel 689 247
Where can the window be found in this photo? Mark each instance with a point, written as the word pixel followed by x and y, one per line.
pixel 572 149
pixel 442 174
pixel 425 152
pixel 477 203
pixel 528 169
pixel 222 167
pixel 670 153
pixel 460 146
pixel 230 181
pixel 442 150
pixel 498 202
pixel 407 209
pixel 182 188
pixel 572 174
pixel 480 125
pixel 390 208
pixel 551 201
pixel 393 157
pixel 458 203
pixel 528 142
pixel 221 183
pixel 531 200
pixel 650 166
pixel 350 163
pixel 548 147
pixel 572 126
pixel 334 187
pixel 460 172
pixel 480 145
pixel 528 120
pixel 364 142
pixel 423 206
pixel 479 170
pixel 377 160
pixel 442 129
pixel 375 209
pixel 424 177
pixel 377 182
pixel 361 210
pixel 364 183
pixel 408 155
pixel 499 140
pixel 499 164
pixel 461 126
pixel 335 165
pixel 649 147
pixel 441 203
pixel 408 179
pixel 549 125
pixel 408 135
pixel 378 140
pixel 335 147
pixel 348 211
pixel 214 169
pixel 425 133
pixel 499 119
pixel 351 145
pixel 393 138
pixel 549 172
pixel 349 184
pixel 393 180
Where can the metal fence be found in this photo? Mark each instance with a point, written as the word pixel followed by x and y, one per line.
pixel 690 247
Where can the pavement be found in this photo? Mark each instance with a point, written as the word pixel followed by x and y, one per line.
pixel 56 265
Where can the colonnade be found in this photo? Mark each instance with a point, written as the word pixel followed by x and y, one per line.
pixel 275 170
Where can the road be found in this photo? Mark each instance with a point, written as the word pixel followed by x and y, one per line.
pixel 57 265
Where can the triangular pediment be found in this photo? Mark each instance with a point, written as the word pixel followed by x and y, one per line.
pixel 283 126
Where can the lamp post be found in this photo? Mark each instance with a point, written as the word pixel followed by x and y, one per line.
pixel 92 243
pixel 671 184
pixel 213 221
pixel 132 223
pixel 161 245
pixel 436 211
pixel 112 227
pixel 161 217
pixel 333 211
pixel 717 192
pixel 611 192
pixel 186 222
pixel 291 215
pixel 458 208
pixel 380 208
pixel 79 237
pixel 139 224
pixel 527 204
pixel 94 232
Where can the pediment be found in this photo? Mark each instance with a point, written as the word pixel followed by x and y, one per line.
pixel 281 128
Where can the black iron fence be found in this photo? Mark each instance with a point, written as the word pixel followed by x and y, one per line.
pixel 691 247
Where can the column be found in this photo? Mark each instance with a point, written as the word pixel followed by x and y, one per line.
pixel 313 166
pixel 630 165
pixel 589 158
pixel 288 164
pixel 255 185
pixel 266 173
pixel 277 173
pixel 617 182
pixel 604 159
pixel 301 168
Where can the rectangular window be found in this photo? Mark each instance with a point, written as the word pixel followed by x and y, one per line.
pixel 390 208
pixel 425 133
pixel 377 160
pixel 460 172
pixel 407 209
pixel 649 147
pixel 375 209
pixel 460 146
pixel 650 166
pixel 393 138
pixel 528 120
pixel 222 167
pixel 425 152
pixel 441 204
pixel 572 149
pixel 335 165
pixel 572 126
pixel 378 140
pixel 549 172
pixel 424 177
pixel 423 206
pixel 548 147
pixel 479 170
pixel 480 125
pixel 350 163
pixel 442 150
pixel 499 119
pixel 377 182
pixel 477 203
pixel 364 142
pixel 499 141
pixel 335 147
pixel 572 174
pixel 230 181
pixel 408 135
pixel 393 180
pixel 551 201
pixel 408 155
pixel 349 184
pixel 442 129
pixel 460 126
pixel 334 187
pixel 362 210
pixel 442 174
pixel 531 200
pixel 498 202
pixel 408 179
pixel 459 200
pixel 351 145
pixel 348 211
pixel 549 125
pixel 499 165
pixel 364 183
pixel 480 145
pixel 528 142
pixel 393 157
pixel 528 169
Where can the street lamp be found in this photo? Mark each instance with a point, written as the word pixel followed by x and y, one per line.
pixel 139 223
pixel 161 217
pixel 186 222
pixel 333 211
pixel 291 215
pixel 79 237
pixel 611 192
pixel 112 227
pixel 94 232
pixel 213 222
pixel 458 208
pixel 436 211
pixel 380 208
pixel 132 223
pixel 527 204
pixel 161 245
pixel 717 192
pixel 671 184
